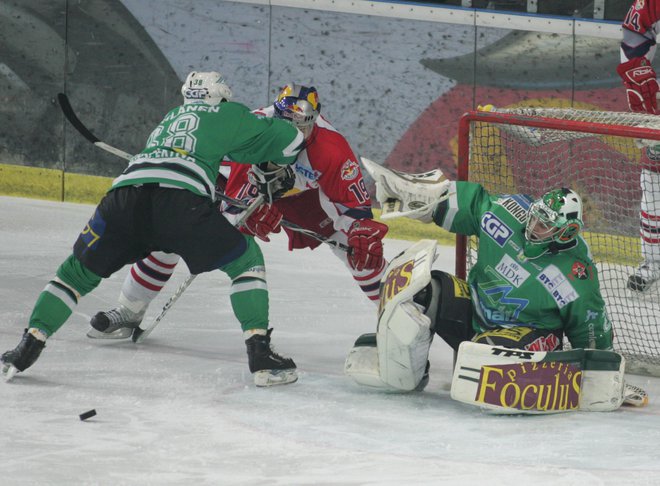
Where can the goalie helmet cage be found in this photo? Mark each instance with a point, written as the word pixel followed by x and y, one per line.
pixel 598 154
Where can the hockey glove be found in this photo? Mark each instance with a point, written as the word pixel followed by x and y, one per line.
pixel 641 85
pixel 365 237
pixel 411 195
pixel 264 220
pixel 272 180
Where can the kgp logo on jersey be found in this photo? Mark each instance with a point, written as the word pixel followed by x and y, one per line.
pixel 349 170
pixel 495 228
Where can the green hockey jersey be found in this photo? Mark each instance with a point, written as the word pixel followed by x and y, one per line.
pixel 557 290
pixel 186 148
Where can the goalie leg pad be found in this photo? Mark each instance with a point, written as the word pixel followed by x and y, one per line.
pixel 403 347
pixel 515 381
pixel 404 333
pixel 362 362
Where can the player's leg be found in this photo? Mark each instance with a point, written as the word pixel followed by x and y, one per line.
pixel 649 270
pixel 448 304
pixel 207 241
pixel 142 284
pixel 305 209
pixel 105 245
pixel 368 280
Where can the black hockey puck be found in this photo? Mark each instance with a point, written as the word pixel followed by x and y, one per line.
pixel 88 414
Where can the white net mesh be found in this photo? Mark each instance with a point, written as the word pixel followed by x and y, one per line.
pixel 605 171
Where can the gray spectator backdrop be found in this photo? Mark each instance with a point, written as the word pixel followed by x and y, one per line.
pixel 393 78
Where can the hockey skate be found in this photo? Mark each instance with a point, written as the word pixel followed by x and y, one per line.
pixel 25 354
pixel 117 323
pixel 635 396
pixel 268 367
pixel 645 275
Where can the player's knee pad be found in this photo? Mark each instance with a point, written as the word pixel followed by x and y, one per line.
pixel 75 276
pixel 250 259
pixel 522 338
pixel 448 305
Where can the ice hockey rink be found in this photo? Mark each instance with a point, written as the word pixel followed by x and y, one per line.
pixel 181 408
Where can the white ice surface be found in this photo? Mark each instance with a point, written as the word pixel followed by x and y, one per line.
pixel 181 408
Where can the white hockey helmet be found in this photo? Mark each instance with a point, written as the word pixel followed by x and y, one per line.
pixel 209 88
pixel 298 104
pixel 555 216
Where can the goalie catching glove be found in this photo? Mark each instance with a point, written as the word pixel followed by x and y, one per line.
pixel 641 85
pixel 264 220
pixel 272 180
pixel 365 237
pixel 412 195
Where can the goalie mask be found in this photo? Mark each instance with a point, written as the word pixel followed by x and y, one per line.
pixel 555 217
pixel 209 88
pixel 298 104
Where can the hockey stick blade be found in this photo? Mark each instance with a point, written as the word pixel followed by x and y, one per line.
pixel 70 115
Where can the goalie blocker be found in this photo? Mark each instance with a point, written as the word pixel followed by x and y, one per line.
pixel 416 302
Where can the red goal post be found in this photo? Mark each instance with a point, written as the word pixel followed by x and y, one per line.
pixel 601 156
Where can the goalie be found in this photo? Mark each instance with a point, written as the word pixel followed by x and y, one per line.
pixel 533 282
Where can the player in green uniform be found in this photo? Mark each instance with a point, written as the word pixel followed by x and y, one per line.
pixel 533 282
pixel 164 200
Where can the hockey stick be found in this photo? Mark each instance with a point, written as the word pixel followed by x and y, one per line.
pixel 140 334
pixel 84 131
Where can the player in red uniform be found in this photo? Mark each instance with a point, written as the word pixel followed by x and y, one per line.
pixel 329 197
pixel 640 30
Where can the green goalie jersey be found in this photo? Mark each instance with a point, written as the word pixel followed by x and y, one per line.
pixel 556 290
pixel 185 150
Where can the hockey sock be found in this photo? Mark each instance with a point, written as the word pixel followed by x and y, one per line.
pixel 60 296
pixel 249 291
pixel 650 215
pixel 146 279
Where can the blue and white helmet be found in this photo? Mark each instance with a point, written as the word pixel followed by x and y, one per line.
pixel 298 104
pixel 209 88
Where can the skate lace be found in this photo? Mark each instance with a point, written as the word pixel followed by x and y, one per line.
pixel 120 315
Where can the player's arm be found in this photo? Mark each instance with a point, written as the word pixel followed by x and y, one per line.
pixel 586 323
pixel 637 51
pixel 265 219
pixel 430 196
pixel 461 212
pixel 266 139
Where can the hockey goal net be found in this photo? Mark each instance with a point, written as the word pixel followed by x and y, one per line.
pixel 598 154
